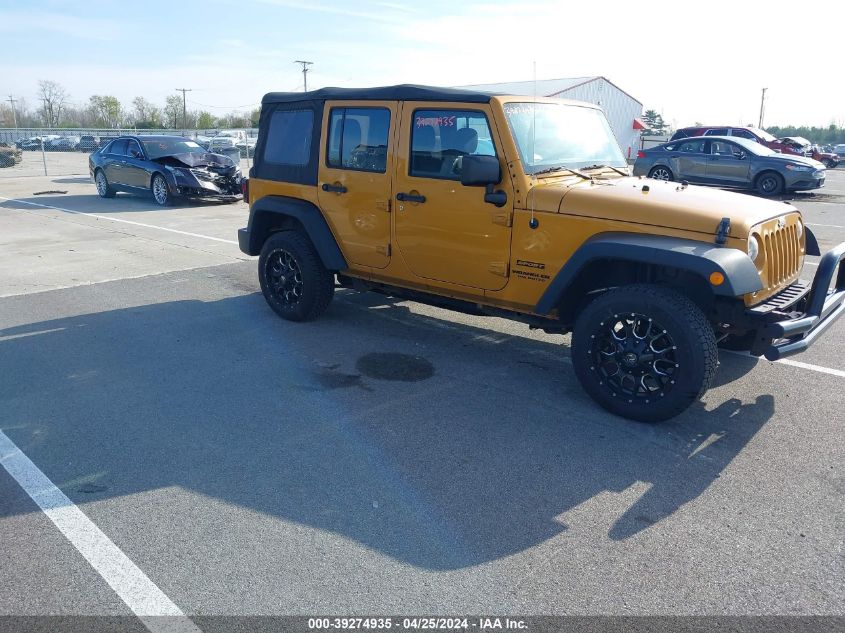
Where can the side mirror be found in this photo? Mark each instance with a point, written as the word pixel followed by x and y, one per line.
pixel 480 171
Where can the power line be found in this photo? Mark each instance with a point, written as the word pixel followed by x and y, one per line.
pixel 222 107
pixel 184 107
pixel 305 66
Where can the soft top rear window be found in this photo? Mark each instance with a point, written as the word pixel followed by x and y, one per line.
pixel 289 137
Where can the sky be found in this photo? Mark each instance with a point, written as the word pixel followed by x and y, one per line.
pixel 702 61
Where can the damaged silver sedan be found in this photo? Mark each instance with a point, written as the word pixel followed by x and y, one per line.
pixel 166 167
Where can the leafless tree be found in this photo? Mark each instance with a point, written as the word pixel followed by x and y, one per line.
pixel 53 97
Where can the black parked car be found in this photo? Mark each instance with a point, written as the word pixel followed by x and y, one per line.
pixel 88 143
pixel 166 167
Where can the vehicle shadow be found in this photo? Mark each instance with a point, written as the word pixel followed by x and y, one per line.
pixel 489 454
pixel 73 180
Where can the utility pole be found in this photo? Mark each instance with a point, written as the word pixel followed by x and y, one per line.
pixel 13 101
pixel 184 110
pixel 762 102
pixel 305 66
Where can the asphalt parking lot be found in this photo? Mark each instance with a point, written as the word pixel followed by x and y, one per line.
pixel 246 465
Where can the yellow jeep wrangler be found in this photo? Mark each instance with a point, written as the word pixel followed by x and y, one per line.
pixel 523 207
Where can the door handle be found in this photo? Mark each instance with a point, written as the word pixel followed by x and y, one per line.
pixel 407 197
pixel 334 188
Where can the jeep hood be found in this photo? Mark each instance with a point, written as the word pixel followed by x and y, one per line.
pixel 658 203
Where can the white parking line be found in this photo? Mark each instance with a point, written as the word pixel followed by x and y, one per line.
pixel 105 217
pixel 794 363
pixel 141 595
pixel 830 226
pixel 823 370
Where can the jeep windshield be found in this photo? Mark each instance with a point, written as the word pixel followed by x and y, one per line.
pixel 557 136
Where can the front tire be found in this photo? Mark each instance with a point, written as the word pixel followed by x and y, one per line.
pixel 644 352
pixel 661 173
pixel 104 189
pixel 769 184
pixel 293 279
pixel 161 192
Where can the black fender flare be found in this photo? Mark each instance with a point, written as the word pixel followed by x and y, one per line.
pixel 700 258
pixel 263 213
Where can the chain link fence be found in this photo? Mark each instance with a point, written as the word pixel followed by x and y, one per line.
pixel 64 152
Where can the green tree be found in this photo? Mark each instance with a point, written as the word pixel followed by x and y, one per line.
pixel 107 110
pixel 654 123
pixel 145 115
pixel 205 120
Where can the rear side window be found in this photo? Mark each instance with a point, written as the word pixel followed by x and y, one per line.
pixel 289 137
pixel 358 139
pixel 717 131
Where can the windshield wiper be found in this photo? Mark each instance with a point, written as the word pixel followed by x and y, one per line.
pixel 618 171
pixel 548 170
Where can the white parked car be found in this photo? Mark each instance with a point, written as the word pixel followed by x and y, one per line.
pixel 225 138
pixel 247 145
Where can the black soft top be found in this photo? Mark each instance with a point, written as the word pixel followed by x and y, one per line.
pixel 405 92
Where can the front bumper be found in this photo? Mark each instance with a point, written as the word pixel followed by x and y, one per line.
pixel 793 327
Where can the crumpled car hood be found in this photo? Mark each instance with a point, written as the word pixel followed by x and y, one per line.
pixel 196 159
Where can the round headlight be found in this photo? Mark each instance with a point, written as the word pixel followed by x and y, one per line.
pixel 753 248
pixel 799 229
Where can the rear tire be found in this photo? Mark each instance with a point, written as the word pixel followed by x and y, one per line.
pixel 829 163
pixel 644 352
pixel 769 183
pixel 104 189
pixel 661 172
pixel 293 279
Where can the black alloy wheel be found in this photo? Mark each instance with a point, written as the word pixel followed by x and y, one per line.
pixel 644 352
pixel 293 279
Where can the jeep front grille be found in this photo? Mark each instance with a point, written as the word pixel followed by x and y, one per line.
pixel 782 249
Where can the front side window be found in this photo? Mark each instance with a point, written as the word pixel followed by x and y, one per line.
pixel 553 136
pixel 358 139
pixel 441 138
pixel 289 137
pixel 133 149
